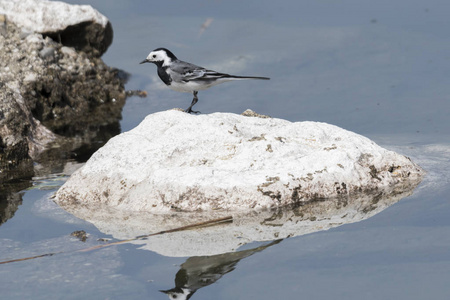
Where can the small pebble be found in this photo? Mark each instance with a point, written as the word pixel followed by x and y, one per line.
pixel 68 51
pixel 30 77
pixel 47 53
pixel 80 234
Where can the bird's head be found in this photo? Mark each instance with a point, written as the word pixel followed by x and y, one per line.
pixel 160 57
pixel 179 293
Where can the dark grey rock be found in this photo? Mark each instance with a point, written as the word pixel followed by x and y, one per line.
pixel 49 99
pixel 87 36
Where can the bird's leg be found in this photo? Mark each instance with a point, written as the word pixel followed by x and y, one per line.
pixel 195 100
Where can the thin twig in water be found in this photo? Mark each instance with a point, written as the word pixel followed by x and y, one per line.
pixel 187 227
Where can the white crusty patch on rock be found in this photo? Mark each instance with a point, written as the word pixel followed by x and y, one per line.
pixel 49 16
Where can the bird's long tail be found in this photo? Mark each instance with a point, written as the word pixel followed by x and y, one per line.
pixel 247 77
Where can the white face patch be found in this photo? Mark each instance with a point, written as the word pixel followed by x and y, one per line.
pixel 159 55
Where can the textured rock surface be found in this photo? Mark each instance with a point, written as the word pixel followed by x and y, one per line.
pixel 79 26
pixel 50 93
pixel 174 161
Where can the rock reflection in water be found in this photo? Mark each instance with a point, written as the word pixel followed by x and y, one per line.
pixel 247 226
pixel 62 159
pixel 200 271
pixel 10 199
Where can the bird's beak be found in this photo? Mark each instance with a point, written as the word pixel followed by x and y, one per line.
pixel 144 61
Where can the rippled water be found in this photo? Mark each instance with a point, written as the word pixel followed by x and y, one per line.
pixel 375 68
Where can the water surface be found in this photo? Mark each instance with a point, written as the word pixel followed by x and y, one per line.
pixel 379 68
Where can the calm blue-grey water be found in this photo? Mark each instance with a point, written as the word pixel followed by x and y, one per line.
pixel 378 68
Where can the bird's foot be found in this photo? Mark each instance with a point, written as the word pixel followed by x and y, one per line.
pixel 190 111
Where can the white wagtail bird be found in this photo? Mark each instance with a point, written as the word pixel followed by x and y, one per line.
pixel 185 77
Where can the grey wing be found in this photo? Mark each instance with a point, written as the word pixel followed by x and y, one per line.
pixel 184 71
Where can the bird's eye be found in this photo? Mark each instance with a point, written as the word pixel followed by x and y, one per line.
pixel 154 55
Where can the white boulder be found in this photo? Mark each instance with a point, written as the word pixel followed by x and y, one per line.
pixel 174 161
